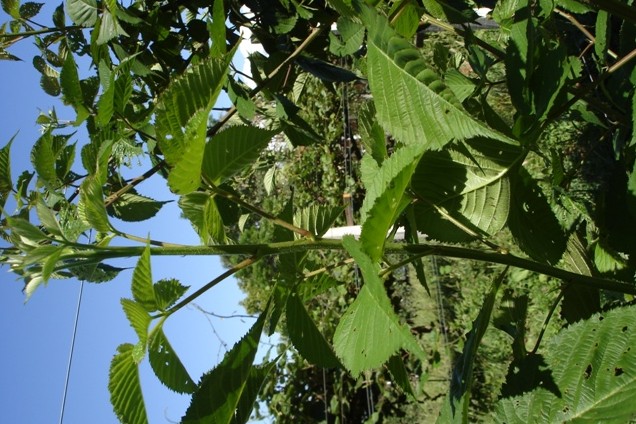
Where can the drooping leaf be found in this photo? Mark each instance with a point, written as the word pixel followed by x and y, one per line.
pixel 185 177
pixel 412 102
pixel 91 207
pixel 138 318
pixel 455 407
pixel 187 95
pixel 220 391
pixel 167 365
pixel 125 387
pixel 593 365
pixel 47 218
pixel 400 375
pixel 369 332
pixel 231 150
pixel 470 182
pixel 384 199
pixel 82 12
pixel 134 207
pixel 372 133
pixel 306 337
pixel 24 228
pixel 142 289
pixel 167 292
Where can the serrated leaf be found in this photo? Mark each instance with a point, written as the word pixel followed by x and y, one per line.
pixel 186 96
pixel 47 218
pixel 6 182
pixel 30 9
pixel 109 28
pixel 125 387
pixel 138 317
pixel 217 30
pixel 306 337
pixel 470 182
pixel 167 365
pixel 400 375
pixel 220 391
pixel 233 149
pixel 455 407
pixel 100 273
pixel 91 206
pixel 372 134
pixel 348 39
pixel 369 332
pixel 105 105
pixel 201 209
pixel 43 160
pixel 167 292
pixel 255 380
pixel 325 71
pixel 70 84
pixel 462 86
pixel 82 12
pixel 50 85
pixel 579 302
pixel 134 207
pixel 185 176
pixel 142 289
pixel 25 229
pixel 412 102
pixel 12 8
pixel 317 219
pixel 384 198
pixel 593 366
pixel 316 285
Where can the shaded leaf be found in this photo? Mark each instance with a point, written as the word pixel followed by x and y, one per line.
pixel 317 219
pixel 167 365
pixel 306 337
pixel 134 207
pixel 82 12
pixel 185 176
pixel 6 182
pixel 30 9
pixel 248 400
pixel 325 71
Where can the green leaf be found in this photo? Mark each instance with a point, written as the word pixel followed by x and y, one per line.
pixel 105 105
pixel 348 39
pixel 455 408
pixel 232 150
pixel 109 28
pixel 385 196
pixel 400 375
pixel 82 12
pixel 462 86
pixel 532 221
pixel 47 218
pixel 125 388
pixel 201 210
pixel 43 160
pixel 220 391
pixel 317 219
pixel 369 332
pixel 579 302
pixel 593 365
pixel 70 84
pixel 25 229
pixel 167 292
pixel 217 30
pixel 30 9
pixel 133 207
pixel 469 181
pixel 95 274
pixel 138 317
pixel 186 96
pixel 372 134
pixel 306 337
pixel 325 71
pixel 12 8
pixel 167 365
pixel 412 102
pixel 185 176
pixel 255 380
pixel 6 182
pixel 91 207
pixel 142 289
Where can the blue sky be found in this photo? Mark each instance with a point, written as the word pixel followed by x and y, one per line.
pixel 36 336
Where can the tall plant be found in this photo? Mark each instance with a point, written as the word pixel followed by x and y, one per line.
pixel 458 172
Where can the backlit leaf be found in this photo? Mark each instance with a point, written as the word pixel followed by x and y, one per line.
pixel 142 289
pixel 82 12
pixel 91 206
pixel 134 207
pixel 185 176
pixel 167 292
pixel 6 182
pixel 138 318
pixel 167 365
pixel 125 388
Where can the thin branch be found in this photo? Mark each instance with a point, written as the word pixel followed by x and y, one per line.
pixel 113 197
pixel 581 28
pixel 328 268
pixel 150 241
pixel 547 320
pixel 194 305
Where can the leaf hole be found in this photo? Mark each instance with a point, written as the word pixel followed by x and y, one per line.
pixel 624 329
pixel 588 371
pixel 618 371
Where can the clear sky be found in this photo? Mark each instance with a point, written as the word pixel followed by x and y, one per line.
pixel 36 336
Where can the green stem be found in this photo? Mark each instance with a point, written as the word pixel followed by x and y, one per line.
pixel 25 34
pixel 94 254
pixel 150 241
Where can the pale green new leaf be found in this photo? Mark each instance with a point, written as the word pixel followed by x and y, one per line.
pixel 186 96
pixel 412 102
pixel 470 182
pixel 593 368
pixel 125 387
pixel 138 318
pixel 462 86
pixel 6 182
pixel 82 12
pixel 185 176
pixel 369 332
pixel 220 391
pixel 23 228
pixel 385 197
pixel 91 207
pixel 142 289
pixel 167 365
pixel 105 104
pixel 306 337
pixel 167 292
pixel 233 149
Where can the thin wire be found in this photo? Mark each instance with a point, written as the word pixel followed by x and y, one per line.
pixel 70 356
pixel 72 349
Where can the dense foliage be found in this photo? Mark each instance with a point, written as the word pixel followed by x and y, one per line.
pixel 513 147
